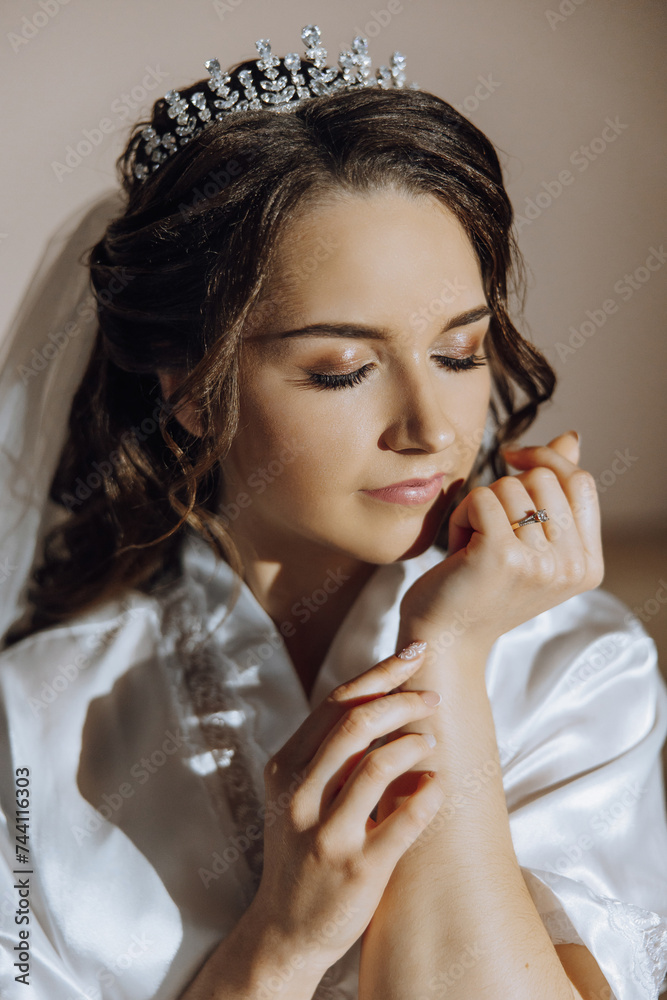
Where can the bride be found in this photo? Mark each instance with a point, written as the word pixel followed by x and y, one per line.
pixel 305 694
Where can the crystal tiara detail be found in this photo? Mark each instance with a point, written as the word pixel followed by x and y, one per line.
pixel 277 93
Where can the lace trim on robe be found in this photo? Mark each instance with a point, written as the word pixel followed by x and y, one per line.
pixel 645 930
pixel 203 681
pixel 647 933
pixel 216 721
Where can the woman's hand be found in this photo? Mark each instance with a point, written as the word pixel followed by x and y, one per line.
pixel 495 578
pixel 326 862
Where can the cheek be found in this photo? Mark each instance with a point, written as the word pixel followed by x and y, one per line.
pixel 470 407
pixel 320 431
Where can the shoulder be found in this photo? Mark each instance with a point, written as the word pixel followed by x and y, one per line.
pixel 92 648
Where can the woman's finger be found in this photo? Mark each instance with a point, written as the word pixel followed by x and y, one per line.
pixel 480 511
pixel 582 494
pixel 579 489
pixel 349 740
pixel 371 778
pixel 539 489
pixel 567 445
pixel 532 456
pixel 375 682
pixel 389 840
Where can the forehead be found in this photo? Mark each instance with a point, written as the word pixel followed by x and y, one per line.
pixel 387 251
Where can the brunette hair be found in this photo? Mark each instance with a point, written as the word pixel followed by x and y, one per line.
pixel 180 274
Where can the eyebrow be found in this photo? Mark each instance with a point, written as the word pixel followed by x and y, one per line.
pixel 363 331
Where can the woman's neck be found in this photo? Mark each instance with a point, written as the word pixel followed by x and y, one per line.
pixel 307 599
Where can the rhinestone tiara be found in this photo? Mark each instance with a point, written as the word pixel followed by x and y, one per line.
pixel 276 93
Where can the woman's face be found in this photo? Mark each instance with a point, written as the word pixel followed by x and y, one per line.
pixel 394 287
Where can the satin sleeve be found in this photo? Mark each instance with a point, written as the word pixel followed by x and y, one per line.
pixel 584 722
pixel 45 973
pixel 101 924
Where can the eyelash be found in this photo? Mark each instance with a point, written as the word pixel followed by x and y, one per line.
pixel 323 381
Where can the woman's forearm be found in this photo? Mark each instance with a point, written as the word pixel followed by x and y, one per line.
pixel 254 962
pixel 456 915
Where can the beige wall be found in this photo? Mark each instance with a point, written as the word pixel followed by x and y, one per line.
pixel 546 84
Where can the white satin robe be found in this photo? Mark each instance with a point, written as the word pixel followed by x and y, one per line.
pixel 144 846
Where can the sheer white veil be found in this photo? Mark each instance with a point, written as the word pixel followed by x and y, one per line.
pixel 43 357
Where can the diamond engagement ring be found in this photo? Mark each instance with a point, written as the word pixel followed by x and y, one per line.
pixel 535 517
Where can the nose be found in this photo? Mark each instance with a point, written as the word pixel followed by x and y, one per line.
pixel 418 420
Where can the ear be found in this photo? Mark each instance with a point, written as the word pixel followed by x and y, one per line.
pixel 185 414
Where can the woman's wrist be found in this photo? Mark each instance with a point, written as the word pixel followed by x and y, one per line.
pixel 256 960
pixel 446 647
pixel 284 966
pixel 455 670
pixel 457 673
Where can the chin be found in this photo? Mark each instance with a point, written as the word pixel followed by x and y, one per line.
pixel 383 552
pixel 406 544
pixel 382 545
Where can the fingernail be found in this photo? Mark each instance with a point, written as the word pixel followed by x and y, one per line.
pixel 431 697
pixel 411 651
pixel 575 435
pixel 430 739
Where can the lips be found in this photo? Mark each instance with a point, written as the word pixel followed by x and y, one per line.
pixel 410 492
pixel 414 482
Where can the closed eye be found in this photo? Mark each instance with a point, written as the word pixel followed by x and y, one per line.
pixel 322 380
